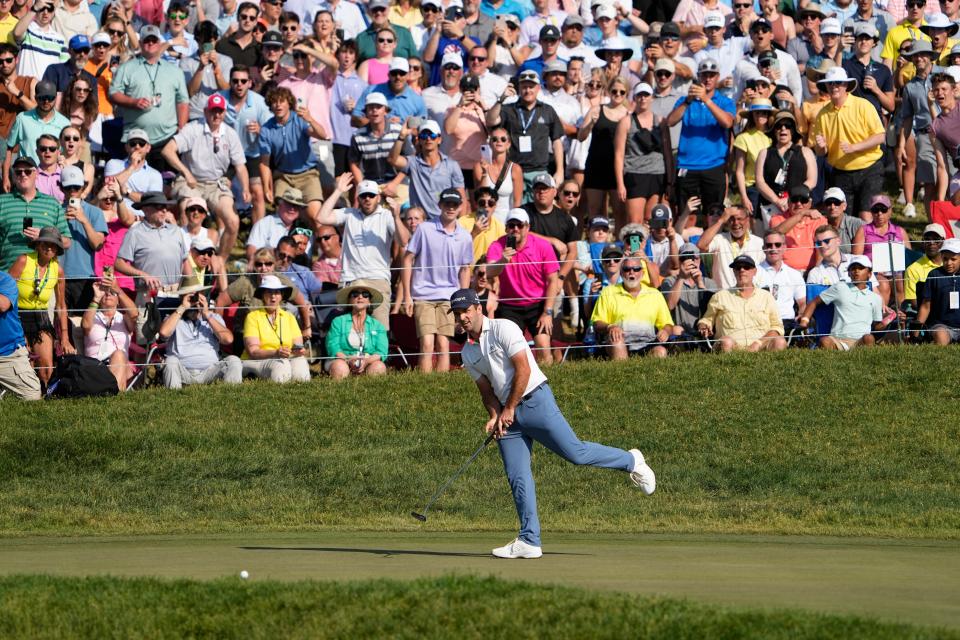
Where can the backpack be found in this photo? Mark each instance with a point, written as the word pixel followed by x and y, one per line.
pixel 79 376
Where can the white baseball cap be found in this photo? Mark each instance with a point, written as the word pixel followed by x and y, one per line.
pixel 519 215
pixel 951 245
pixel 713 19
pixel 642 87
pixel 863 261
pixel 430 125
pixel 399 64
pixel 368 187
pixel 835 192
pixel 451 58
pixel 202 242
pixel 830 26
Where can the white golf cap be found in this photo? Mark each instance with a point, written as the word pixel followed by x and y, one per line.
pixel 951 245
pixel 519 215
pixel 430 125
pixel 605 11
pixel 836 193
pixel 863 261
pixel 376 98
pixel 113 167
pixel 100 38
pixel 954 72
pixel 830 26
pixel 368 187
pixel 399 64
pixel 643 87
pixel 71 176
pixel 451 58
pixel 713 19
pixel 202 242
pixel 935 227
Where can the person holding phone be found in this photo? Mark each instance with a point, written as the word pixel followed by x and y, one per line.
pixel 24 211
pixel 207 70
pixel 195 336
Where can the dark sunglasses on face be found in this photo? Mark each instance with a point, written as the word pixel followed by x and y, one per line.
pixel 741 6
pixel 784 125
pixel 196 210
pixel 916 5
pixel 430 9
pixel 799 199
pixel 879 209
pixel 571 194
pixel 477 59
pixel 397 72
pixel 386 40
pixel 595 85
pixel 360 294
pixel 742 267
pixel 631 269
pixel 772 245
pixel 514 224
pixel 136 144
pixel 207 252
pixel 46 149
pixel 290 28
pixel 414 67
pixel 299 55
pixel 240 81
pixel 832 202
pixel 248 18
pixel 263 264
pixel 7 60
pixel 664 74
pixel 367 195
pixel 669 37
pixel 618 92
pixel 284 257
pixel 101 45
pixel 115 32
pixel 23 172
pixel 45 10
pixel 822 243
pixel 178 16
pixel 499 139
pixel 427 135
pixel 487 202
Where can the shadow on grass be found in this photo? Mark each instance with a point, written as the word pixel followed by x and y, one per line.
pixel 396 552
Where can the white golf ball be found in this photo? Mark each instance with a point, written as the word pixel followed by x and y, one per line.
pixel 244 575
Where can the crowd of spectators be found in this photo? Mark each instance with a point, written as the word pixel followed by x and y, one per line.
pixel 261 187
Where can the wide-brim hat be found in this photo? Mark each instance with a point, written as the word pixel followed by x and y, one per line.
pixel 273 283
pixel 193 288
pixel 939 21
pixel 815 73
pixel 757 105
pixel 50 235
pixel 294 197
pixel 343 295
pixel 782 116
pixel 615 44
pixel 839 74
pixel 154 199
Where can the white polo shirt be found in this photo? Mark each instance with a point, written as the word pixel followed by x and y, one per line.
pixel 490 357
pixel 786 284
pixel 367 241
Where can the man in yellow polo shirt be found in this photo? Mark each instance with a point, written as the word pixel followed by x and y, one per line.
pixel 933 237
pixel 909 29
pixel 849 132
pixel 633 316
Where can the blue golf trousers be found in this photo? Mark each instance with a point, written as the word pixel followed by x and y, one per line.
pixel 538 418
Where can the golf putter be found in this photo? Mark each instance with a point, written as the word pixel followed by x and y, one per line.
pixel 422 515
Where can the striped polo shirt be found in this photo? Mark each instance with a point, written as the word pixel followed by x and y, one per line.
pixel 45 211
pixel 40 49
pixel 370 152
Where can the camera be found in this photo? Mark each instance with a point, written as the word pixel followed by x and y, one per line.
pixel 469 83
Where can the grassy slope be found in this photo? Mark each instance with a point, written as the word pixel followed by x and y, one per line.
pixel 450 607
pixel 864 443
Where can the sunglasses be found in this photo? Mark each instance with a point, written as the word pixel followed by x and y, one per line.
pixel 618 92
pixel 669 37
pixel 247 18
pixel 824 242
pixel 571 194
pixel 430 9
pixel 298 55
pixel 476 58
pixel 631 269
pixel 178 16
pixel 879 209
pixel 263 264
pixel 784 125
pixel 239 81
pixel 916 5
pixel 360 294
pixel 46 98
pixel 742 267
pixel 595 85
pixel 118 32
pixel 499 139
pixel 367 195
pixel 451 67
pixel 378 10
pixel 832 202
pixel 197 210
pixel 327 237
pixel 514 224
pixel 415 67
pixel 7 60
pixel 23 172
pixel 136 143
pixel 206 252
pixel 487 202
pixel 772 245
pixel 386 40
pixel 284 257
pixel 663 74
pixel 101 45
pixel 45 10
pixel 290 28
pixel 46 149
pixel 741 6
pixel 427 135
pixel 83 89
pixel 799 199
pixel 761 31
pixel 397 72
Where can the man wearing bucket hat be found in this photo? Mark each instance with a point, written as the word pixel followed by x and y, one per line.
pixel 849 132
pixel 194 337
pixel 913 119
pixel 203 152
pixel 940 29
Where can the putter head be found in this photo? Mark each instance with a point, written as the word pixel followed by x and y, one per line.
pixel 419 516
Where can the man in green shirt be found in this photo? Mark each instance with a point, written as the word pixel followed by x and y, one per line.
pixel 28 126
pixel 24 211
pixel 378 10
pixel 151 94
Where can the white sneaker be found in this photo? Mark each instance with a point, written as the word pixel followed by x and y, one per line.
pixel 642 475
pixel 901 199
pixel 910 211
pixel 518 549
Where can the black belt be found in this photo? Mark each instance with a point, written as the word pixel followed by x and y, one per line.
pixel 922 130
pixel 535 389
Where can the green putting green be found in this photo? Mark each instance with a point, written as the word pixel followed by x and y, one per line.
pixel 913 581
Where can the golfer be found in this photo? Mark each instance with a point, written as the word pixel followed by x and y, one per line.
pixel 522 409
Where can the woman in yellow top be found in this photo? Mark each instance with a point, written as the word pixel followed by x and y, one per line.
pixel 273 343
pixel 406 13
pixel 746 148
pixel 39 276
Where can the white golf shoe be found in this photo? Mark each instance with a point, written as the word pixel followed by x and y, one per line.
pixel 642 475
pixel 910 211
pixel 518 549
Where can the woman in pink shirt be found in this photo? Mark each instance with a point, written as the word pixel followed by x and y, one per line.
pixel 108 324
pixel 377 70
pixel 881 231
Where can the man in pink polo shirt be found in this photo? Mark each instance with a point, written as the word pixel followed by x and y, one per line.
pixel 527 267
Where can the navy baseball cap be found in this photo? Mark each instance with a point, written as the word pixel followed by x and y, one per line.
pixel 660 216
pixel 463 299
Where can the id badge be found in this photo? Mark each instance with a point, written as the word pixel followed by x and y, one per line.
pixel 157 100
pixel 955 299
pixel 525 144
pixel 781 177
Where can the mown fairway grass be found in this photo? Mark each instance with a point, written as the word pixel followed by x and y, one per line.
pixel 804 442
pixel 448 607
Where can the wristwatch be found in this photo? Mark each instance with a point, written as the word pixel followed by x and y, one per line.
pixel 549 312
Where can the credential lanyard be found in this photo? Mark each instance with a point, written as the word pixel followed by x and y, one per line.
pixel 525 124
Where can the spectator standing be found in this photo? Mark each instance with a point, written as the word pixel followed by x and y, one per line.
pixel 377 12
pixel 241 46
pixel 194 337
pixel 527 267
pixel 16 373
pixel 28 126
pixel 848 131
pixel 150 94
pixel 707 117
pixel 346 91
pixel 203 152
pixel 430 172
pixel 501 174
pixel 61 73
pixel 401 98
pixel 638 162
pixel 247 112
pixel 371 144
pixel 743 317
pixel 369 233
pixel 436 263
pixel 786 163
pixel 207 70
pixel 41 44
pixel 88 228
pixel 24 211
pixel 16 91
pixel 914 148
pixel 465 128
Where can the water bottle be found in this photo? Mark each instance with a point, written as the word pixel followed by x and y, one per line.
pixel 590 340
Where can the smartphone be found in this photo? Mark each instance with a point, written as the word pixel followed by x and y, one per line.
pixel 482 214
pixel 207 47
pixel 416 122
pixel 634 244
pixel 27 222
pixel 114 61
pixel 340 35
pixel 848 31
pixel 511 242
pixel 486 153
pixel 108 271
pixel 74 202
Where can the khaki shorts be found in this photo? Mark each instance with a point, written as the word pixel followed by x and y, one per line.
pixel 17 375
pixel 433 318
pixel 308 182
pixel 845 344
pixel 212 192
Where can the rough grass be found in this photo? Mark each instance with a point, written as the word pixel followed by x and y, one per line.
pixel 803 442
pixel 447 607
